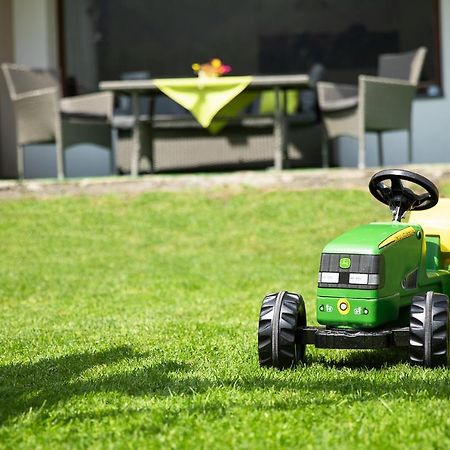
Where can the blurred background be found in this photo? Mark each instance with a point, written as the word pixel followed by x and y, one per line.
pixel 87 41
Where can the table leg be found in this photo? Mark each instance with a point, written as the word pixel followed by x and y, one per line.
pixel 149 139
pixel 136 151
pixel 284 130
pixel 279 131
pixel 114 141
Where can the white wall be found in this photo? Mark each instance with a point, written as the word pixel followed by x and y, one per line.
pixel 35 33
pixel 431 122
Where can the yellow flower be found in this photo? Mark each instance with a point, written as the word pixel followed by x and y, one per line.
pixel 216 63
pixel 196 67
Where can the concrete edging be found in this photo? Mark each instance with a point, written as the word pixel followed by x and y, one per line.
pixel 336 178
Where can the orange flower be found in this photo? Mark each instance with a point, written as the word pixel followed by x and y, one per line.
pixel 212 68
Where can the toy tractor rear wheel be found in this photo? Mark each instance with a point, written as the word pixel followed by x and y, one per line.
pixel 278 337
pixel 429 330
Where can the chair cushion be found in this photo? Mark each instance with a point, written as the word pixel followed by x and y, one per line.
pixel 340 104
pixel 337 97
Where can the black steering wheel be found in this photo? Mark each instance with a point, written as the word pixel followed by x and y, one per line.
pixel 399 198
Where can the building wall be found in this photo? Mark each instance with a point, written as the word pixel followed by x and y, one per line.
pixel 7 131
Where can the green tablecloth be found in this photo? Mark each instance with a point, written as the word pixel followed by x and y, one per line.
pixel 267 102
pixel 209 98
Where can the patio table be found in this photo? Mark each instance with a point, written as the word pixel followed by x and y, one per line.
pixel 208 100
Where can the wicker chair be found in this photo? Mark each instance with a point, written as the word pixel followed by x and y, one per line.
pixel 39 111
pixel 379 103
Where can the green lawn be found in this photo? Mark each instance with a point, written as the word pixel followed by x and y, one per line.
pixel 130 322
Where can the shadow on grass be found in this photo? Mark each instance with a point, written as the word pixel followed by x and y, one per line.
pixel 43 384
pixel 362 359
pixel 25 386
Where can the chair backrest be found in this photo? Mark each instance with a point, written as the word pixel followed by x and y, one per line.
pixel 21 79
pixel 316 73
pixel 404 66
pixel 34 95
pixel 308 97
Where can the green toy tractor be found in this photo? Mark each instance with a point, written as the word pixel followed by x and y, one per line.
pixel 380 285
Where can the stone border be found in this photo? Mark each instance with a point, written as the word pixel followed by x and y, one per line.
pixel 300 179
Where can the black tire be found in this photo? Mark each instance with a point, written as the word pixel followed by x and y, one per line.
pixel 278 335
pixel 428 330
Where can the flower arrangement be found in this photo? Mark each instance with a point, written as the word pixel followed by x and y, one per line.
pixel 213 68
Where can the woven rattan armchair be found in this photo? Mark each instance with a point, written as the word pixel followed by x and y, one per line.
pixel 39 110
pixel 379 103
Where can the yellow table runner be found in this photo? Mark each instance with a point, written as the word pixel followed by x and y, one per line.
pixel 205 98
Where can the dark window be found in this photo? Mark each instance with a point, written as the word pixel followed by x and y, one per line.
pixel 103 39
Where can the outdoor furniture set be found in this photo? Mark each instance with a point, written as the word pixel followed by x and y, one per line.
pixel 377 104
pixel 220 99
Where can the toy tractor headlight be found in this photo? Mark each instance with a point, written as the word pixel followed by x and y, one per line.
pixel 350 271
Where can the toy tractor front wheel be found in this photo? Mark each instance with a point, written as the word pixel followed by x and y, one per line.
pixel 429 330
pixel 278 338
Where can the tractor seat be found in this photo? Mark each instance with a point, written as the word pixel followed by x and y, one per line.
pixel 435 223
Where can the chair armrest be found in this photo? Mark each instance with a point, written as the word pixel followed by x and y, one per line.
pixel 51 91
pixel 336 97
pixel 386 102
pixel 37 116
pixel 98 105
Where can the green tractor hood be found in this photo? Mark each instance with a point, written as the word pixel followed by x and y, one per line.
pixel 369 239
